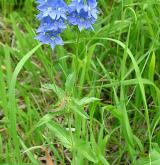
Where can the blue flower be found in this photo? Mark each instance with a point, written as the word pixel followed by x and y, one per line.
pixel 55 14
pixel 76 5
pixel 48 24
pixel 52 16
pixel 51 37
pixel 83 14
pixel 53 8
pixel 92 9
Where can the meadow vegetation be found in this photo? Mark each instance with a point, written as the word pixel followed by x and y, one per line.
pixel 93 101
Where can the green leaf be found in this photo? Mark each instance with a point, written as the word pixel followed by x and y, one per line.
pixel 153 160
pixel 12 101
pixel 72 143
pixel 69 85
pixel 85 149
pixel 152 67
pixel 80 112
pixel 103 160
pixel 115 112
pixel 60 133
pixel 87 100
pixel 45 119
pixel 57 90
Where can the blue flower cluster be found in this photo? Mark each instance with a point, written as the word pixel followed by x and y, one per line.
pixel 83 14
pixel 54 16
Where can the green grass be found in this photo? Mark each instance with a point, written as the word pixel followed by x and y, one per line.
pixel 96 100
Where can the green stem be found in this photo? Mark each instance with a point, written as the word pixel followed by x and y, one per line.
pixel 72 138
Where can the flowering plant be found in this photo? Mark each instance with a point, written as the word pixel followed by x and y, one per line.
pixel 55 15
